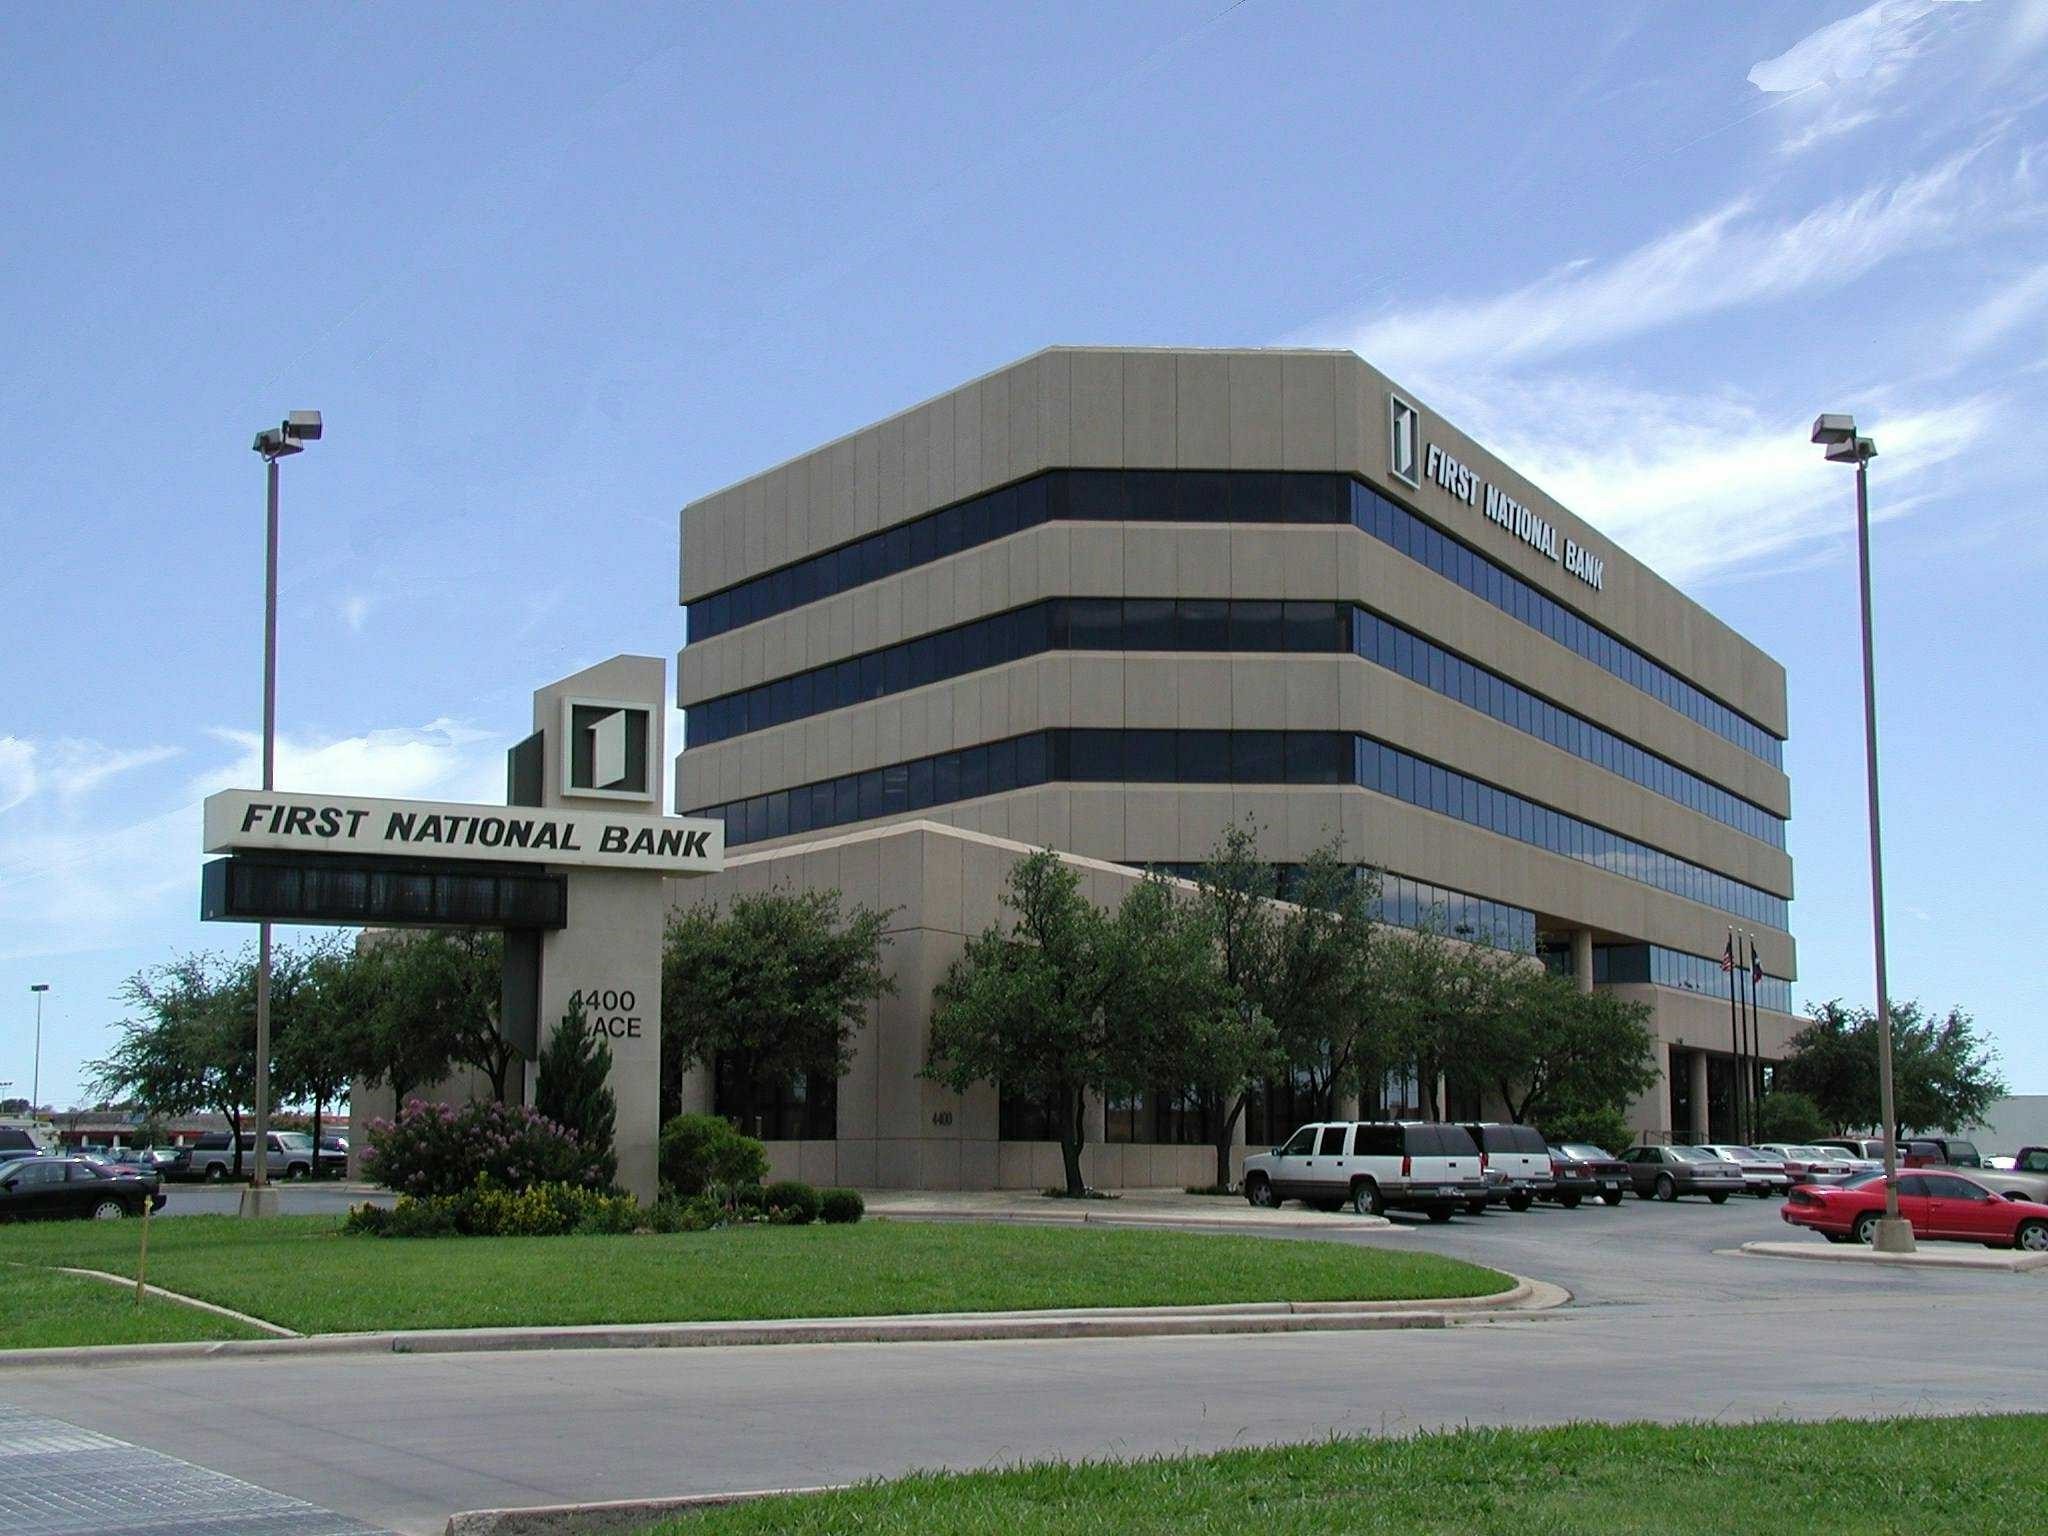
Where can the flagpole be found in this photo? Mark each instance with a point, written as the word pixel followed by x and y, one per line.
pixel 1734 1037
pixel 1749 1033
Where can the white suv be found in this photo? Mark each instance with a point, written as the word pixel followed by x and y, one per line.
pixel 1370 1165
pixel 1515 1160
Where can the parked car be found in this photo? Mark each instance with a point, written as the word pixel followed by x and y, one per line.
pixel 1809 1165
pixel 47 1188
pixel 1583 1171
pixel 1938 1152
pixel 1373 1166
pixel 17 1141
pixel 1762 1174
pixel 1937 1204
pixel 212 1156
pixel 1665 1173
pixel 1847 1160
pixel 1515 1160
pixel 1868 1148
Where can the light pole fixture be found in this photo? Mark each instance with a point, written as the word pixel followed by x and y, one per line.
pixel 35 1092
pixel 1846 446
pixel 286 438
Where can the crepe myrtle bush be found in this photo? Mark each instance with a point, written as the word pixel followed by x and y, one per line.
pixel 443 1149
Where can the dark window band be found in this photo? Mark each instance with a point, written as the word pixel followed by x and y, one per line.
pixel 1212 496
pixel 1228 757
pixel 1211 625
pixel 1655 965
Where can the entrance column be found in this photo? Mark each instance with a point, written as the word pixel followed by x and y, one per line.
pixel 1582 958
pixel 1698 1131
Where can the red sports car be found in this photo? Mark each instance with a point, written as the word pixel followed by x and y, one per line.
pixel 1938 1205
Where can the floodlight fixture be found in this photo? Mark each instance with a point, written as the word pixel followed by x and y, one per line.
pixel 1833 427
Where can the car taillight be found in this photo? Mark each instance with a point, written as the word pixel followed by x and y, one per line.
pixel 1482 1160
pixel 1407 1165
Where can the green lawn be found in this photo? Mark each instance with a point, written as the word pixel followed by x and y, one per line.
pixel 301 1272
pixel 45 1309
pixel 1913 1477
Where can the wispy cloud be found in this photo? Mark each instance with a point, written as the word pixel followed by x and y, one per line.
pixel 1843 70
pixel 1706 486
pixel 355 612
pixel 1730 257
pixel 2019 302
pixel 446 758
pixel 66 767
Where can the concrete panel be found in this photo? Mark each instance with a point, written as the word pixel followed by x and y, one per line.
pixel 1098 689
pixel 1258 566
pixel 998 464
pixel 1256 394
pixel 1202 401
pixel 1149 410
pixel 1308 410
pixel 1096 559
pixel 1204 564
pixel 1151 692
pixel 1096 409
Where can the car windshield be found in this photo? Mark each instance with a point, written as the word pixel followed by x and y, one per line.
pixel 1746 1154
pixel 1865 1180
pixel 297 1141
pixel 1585 1152
pixel 1693 1155
pixel 1815 1154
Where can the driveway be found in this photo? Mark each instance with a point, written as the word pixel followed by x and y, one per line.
pixel 1668 1326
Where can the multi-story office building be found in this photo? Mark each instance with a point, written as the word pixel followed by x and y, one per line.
pixel 1111 600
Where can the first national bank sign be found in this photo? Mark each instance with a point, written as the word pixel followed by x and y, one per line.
pixel 1466 483
pixel 239 819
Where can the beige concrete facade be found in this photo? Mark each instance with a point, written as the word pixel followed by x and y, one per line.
pixel 1327 412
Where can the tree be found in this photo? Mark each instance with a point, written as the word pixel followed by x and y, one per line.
pixel 1787 1115
pixel 438 994
pixel 1325 989
pixel 573 1090
pixel 779 982
pixel 1566 1054
pixel 1236 904
pixel 322 1033
pixel 1944 1075
pixel 1062 1000
pixel 190 1041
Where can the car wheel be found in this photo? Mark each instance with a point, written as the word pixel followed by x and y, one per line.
pixel 1258 1189
pixel 1865 1230
pixel 1569 1202
pixel 215 1173
pixel 1667 1187
pixel 108 1210
pixel 2032 1236
pixel 1367 1200
pixel 1720 1198
pixel 1762 1194
pixel 1520 1202
pixel 1612 1196
pixel 1439 1213
pixel 1475 1207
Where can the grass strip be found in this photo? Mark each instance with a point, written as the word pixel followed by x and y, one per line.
pixel 47 1310
pixel 301 1272
pixel 1841 1478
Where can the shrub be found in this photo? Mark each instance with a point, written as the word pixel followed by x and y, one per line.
pixel 743 1200
pixel 440 1149
pixel 366 1220
pixel 699 1213
pixel 790 1202
pixel 575 1066
pixel 841 1206
pixel 1606 1128
pixel 486 1209
pixel 698 1151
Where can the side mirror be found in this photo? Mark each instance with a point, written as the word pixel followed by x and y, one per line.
pixel 13 1182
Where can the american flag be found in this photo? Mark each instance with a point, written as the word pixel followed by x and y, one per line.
pixel 1728 954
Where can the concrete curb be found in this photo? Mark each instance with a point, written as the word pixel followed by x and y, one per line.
pixel 1524 1298
pixel 127 1281
pixel 1855 1253
pixel 1377 1225
pixel 611 1515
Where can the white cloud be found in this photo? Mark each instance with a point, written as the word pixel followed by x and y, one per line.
pixel 355 612
pixel 69 881
pixel 1705 486
pixel 1727 258
pixel 1846 67
pixel 1985 324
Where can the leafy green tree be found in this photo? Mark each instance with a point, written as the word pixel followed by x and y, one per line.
pixel 189 1041
pixel 1562 1054
pixel 438 993
pixel 778 982
pixel 1326 989
pixel 322 1032
pixel 1237 905
pixel 1944 1074
pixel 1060 1000
pixel 1606 1129
pixel 574 1091
pixel 1787 1115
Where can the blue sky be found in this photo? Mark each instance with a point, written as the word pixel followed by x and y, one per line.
pixel 552 272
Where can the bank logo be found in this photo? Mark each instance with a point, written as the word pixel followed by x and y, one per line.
pixel 1402 458
pixel 607 749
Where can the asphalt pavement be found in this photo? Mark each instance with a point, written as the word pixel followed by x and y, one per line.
pixel 294 1198
pixel 1668 1325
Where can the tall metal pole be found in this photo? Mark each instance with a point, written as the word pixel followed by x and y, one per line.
pixel 258 1172
pixel 1734 1046
pixel 1894 1235
pixel 35 1092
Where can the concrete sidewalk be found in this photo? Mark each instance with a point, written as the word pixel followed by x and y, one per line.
pixel 1128 1208
pixel 1946 1257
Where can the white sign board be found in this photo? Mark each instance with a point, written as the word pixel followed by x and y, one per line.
pixel 519 834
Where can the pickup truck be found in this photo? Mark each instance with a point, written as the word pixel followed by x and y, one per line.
pixel 2026 1178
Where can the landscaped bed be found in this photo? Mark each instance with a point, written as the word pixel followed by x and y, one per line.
pixel 1952 1476
pixel 300 1272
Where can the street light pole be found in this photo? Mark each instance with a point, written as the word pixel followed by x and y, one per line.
pixel 297 429
pixel 1845 446
pixel 35 1092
